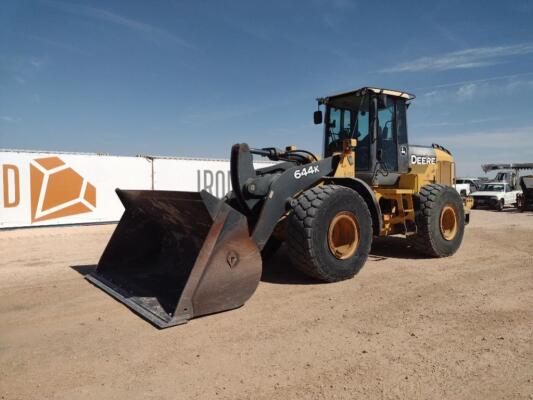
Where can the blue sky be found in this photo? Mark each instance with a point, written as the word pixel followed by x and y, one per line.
pixel 191 78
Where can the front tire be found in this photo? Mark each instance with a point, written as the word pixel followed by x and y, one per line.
pixel 440 221
pixel 329 233
pixel 500 205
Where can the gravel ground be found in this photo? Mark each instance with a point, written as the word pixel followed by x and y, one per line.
pixel 405 327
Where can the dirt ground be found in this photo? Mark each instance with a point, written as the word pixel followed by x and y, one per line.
pixel 404 327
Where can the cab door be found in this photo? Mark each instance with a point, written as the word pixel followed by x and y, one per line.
pixel 392 143
pixel 510 195
pixel 392 149
pixel 387 146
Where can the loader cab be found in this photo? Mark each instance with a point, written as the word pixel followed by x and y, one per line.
pixel 376 118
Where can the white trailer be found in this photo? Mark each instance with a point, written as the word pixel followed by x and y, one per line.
pixel 58 188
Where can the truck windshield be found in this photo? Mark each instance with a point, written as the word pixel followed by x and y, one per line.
pixel 489 187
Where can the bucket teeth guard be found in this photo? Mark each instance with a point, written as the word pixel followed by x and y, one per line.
pixel 178 255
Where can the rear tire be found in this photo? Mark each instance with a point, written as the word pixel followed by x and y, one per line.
pixel 329 233
pixel 440 221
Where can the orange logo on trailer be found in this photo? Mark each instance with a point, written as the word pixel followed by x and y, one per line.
pixel 58 191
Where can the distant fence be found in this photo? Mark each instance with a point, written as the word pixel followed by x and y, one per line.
pixel 46 188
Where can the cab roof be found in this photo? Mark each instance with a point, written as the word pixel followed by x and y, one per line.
pixel 363 90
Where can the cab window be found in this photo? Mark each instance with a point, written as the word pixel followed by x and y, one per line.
pixel 387 133
pixel 401 121
pixel 340 125
pixel 334 123
pixel 362 134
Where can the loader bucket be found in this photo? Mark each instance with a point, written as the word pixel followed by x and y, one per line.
pixel 178 255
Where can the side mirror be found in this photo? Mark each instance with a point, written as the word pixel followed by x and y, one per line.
pixel 317 117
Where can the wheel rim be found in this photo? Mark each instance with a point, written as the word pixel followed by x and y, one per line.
pixel 343 235
pixel 448 222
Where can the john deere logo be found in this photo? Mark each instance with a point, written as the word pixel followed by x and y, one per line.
pixel 58 191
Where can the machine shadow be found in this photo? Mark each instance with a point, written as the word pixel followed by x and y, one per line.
pixel 510 210
pixel 516 211
pixel 280 270
pixel 84 269
pixel 394 247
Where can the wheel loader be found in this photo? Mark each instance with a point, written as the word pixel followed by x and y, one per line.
pixel 179 255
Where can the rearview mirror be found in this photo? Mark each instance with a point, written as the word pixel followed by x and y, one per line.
pixel 317 117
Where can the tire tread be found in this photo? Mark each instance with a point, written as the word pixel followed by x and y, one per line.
pixel 302 252
pixel 424 240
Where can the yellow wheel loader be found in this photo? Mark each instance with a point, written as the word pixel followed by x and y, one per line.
pixel 179 255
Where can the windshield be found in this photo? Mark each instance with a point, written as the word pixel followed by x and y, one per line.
pixel 492 187
pixel 348 118
pixel 340 124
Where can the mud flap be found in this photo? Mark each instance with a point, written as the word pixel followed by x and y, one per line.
pixel 178 255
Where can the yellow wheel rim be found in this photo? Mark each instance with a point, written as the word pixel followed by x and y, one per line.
pixel 448 222
pixel 343 235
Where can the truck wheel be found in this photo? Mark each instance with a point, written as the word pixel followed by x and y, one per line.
pixel 440 221
pixel 329 233
pixel 500 205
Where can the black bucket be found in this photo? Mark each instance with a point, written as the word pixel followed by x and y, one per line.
pixel 178 255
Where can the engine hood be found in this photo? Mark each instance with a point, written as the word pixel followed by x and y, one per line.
pixel 422 155
pixel 487 194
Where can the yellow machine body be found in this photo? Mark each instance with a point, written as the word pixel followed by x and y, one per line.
pixel 401 196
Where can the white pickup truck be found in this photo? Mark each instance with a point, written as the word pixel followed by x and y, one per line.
pixel 465 186
pixel 495 195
